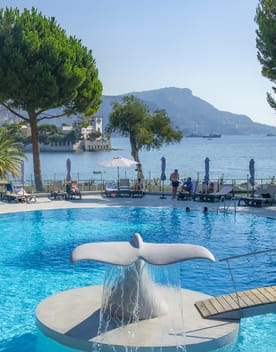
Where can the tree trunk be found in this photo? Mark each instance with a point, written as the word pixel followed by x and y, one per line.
pixel 36 152
pixel 135 155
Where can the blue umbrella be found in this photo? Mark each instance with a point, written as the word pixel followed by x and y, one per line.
pixel 163 175
pixel 163 168
pixel 68 167
pixel 207 166
pixel 252 172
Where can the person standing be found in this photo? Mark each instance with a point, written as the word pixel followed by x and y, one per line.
pixel 174 178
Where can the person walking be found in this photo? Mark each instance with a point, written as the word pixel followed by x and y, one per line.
pixel 174 178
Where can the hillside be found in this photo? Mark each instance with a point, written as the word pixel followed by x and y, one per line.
pixel 190 113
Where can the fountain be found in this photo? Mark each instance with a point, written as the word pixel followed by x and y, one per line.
pixel 133 309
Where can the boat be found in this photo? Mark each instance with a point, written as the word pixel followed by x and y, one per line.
pixel 98 172
pixel 212 135
pixel 194 135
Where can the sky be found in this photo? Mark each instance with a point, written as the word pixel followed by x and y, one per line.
pixel 208 46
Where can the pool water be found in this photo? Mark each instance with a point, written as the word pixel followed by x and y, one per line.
pixel 35 262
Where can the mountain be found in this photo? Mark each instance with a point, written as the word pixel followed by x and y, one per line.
pixel 190 113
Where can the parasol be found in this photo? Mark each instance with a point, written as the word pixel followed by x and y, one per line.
pixel 207 167
pixel 118 162
pixel 163 175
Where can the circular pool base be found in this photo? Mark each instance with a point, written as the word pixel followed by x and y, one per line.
pixel 72 319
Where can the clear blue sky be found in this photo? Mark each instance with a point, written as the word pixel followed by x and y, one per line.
pixel 207 46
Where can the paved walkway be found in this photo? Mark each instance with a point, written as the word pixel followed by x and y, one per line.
pixel 98 201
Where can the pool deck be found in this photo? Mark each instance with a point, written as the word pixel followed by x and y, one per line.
pixel 149 200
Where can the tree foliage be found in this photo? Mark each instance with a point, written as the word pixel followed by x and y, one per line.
pixel 10 155
pixel 266 42
pixel 47 134
pixel 44 73
pixel 150 130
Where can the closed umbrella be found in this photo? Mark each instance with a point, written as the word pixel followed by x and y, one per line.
pixel 163 175
pixel 252 172
pixel 252 175
pixel 118 162
pixel 207 167
pixel 163 168
pixel 68 168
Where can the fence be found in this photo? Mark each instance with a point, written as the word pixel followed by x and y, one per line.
pixel 242 186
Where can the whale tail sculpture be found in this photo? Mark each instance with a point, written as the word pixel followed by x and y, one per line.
pixel 134 295
pixel 126 253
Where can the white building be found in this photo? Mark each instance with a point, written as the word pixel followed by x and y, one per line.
pixel 85 144
pixel 96 125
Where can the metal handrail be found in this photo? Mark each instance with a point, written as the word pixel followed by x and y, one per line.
pixel 231 272
pixel 248 254
pixel 227 203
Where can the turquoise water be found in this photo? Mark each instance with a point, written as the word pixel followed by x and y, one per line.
pixel 35 262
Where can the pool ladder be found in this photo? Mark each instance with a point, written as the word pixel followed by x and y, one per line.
pixel 227 206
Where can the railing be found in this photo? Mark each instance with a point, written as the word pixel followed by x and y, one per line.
pixel 227 205
pixel 247 254
pixel 228 259
pixel 240 186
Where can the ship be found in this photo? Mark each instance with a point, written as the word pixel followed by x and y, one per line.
pixel 212 135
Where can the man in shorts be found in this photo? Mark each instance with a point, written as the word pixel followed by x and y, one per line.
pixel 174 178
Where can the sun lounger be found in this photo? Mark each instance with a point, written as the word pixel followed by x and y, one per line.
pixel 124 188
pixel 17 195
pixel 254 201
pixel 263 198
pixel 110 189
pixel 223 193
pixel 214 196
pixel 137 193
pixel 57 193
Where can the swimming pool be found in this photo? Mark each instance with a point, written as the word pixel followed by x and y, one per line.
pixel 36 247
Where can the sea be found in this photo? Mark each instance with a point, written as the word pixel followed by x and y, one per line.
pixel 229 159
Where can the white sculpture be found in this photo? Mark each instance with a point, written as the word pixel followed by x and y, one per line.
pixel 134 295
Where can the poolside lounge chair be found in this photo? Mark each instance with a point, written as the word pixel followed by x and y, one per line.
pixel 224 192
pixel 214 196
pixel 205 191
pixel 57 193
pixel 138 190
pixel 261 198
pixel 124 189
pixel 110 189
pixel 18 194
pixel 183 195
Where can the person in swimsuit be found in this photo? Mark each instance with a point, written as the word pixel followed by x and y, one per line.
pixel 174 178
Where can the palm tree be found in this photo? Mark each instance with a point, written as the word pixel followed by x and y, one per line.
pixel 10 156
